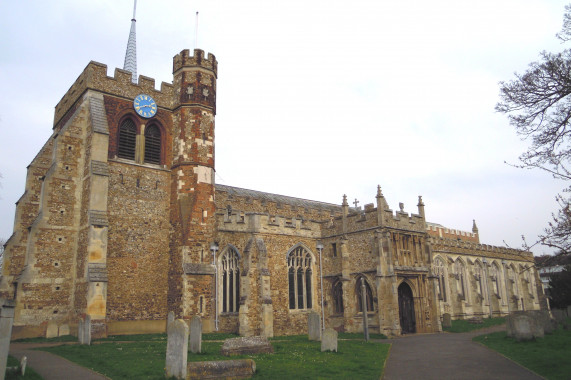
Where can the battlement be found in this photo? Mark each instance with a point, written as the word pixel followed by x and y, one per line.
pixel 184 59
pixel 448 233
pixel 242 221
pixel 94 77
pixel 485 250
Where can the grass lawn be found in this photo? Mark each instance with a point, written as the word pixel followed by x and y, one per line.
pixel 462 325
pixel 294 357
pixel 30 374
pixel 548 356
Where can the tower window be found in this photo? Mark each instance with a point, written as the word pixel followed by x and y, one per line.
pixel 127 140
pixel 153 145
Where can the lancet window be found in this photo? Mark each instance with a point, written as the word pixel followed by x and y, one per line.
pixel 460 278
pixel 300 279
pixel 338 297
pixel 127 140
pixel 440 273
pixel 152 145
pixel 230 280
pixel 359 293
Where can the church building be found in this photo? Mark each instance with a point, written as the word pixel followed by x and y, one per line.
pixel 121 220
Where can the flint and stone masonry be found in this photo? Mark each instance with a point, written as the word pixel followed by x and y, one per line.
pixel 121 221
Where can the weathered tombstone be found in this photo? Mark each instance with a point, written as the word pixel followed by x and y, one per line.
pixel 222 369
pixel 329 340
pixel 544 319
pixel 63 330
pixel 446 321
pixel 80 330
pixel 52 330
pixel 87 330
pixel 6 321
pixel 177 349
pixel 246 346
pixel 523 326
pixel 314 326
pixel 559 315
pixel 196 335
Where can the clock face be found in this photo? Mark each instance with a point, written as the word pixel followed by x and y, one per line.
pixel 145 106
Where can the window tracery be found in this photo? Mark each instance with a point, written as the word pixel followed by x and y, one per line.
pixel 230 281
pixel 300 279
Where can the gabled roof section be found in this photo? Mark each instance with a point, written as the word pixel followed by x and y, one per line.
pixel 282 199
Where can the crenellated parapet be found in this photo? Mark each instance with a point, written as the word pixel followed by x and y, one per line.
pixel 184 59
pixel 94 77
pixel 253 222
pixel 437 230
pixel 476 249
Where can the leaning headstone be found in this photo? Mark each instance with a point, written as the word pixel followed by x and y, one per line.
pixel 329 340
pixel 6 321
pixel 196 335
pixel 52 330
pixel 177 349
pixel 246 346
pixel 314 326
pixel 446 321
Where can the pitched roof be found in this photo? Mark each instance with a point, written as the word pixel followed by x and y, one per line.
pixel 282 199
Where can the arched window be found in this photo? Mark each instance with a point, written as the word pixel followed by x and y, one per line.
pixel 152 145
pixel 439 272
pixel 338 297
pixel 358 293
pixel 127 140
pixel 460 278
pixel 230 281
pixel 481 280
pixel 494 275
pixel 300 279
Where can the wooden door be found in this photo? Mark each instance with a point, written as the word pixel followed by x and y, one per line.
pixel 406 309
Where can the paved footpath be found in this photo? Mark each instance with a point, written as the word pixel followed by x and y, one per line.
pixel 50 366
pixel 450 356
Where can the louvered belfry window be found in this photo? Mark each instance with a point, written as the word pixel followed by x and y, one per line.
pixel 127 140
pixel 153 145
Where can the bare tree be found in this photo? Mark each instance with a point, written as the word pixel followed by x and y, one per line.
pixel 538 105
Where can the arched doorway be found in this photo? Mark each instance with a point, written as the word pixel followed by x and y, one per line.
pixel 406 309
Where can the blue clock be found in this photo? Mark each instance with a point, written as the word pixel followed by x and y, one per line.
pixel 145 106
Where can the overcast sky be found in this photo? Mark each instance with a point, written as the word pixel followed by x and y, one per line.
pixel 316 99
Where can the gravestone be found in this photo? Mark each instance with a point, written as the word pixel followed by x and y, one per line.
pixel 63 330
pixel 246 346
pixel 196 335
pixel 177 349
pixel 314 326
pixel 329 340
pixel 84 330
pixel 446 321
pixel 559 315
pixel 542 316
pixel 523 326
pixel 222 369
pixel 6 321
pixel 52 330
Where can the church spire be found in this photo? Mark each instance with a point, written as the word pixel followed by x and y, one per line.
pixel 131 54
